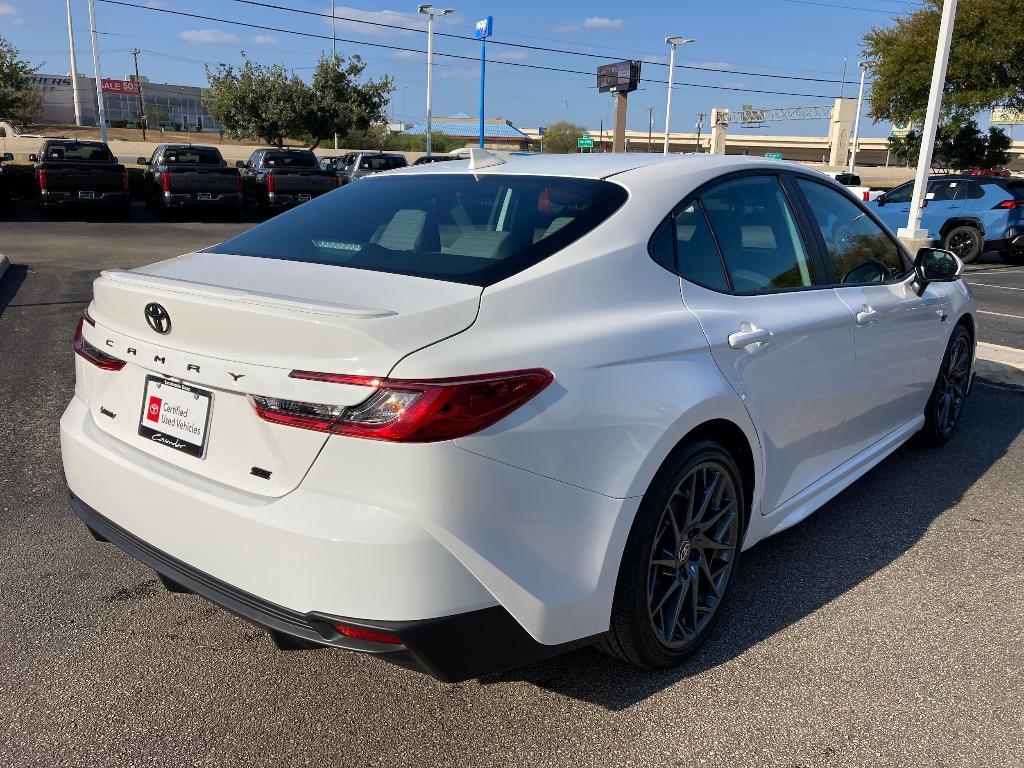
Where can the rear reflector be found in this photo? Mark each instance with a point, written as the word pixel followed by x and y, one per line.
pixel 90 353
pixel 238 183
pixel 370 635
pixel 165 181
pixel 124 180
pixel 42 180
pixel 270 183
pixel 405 411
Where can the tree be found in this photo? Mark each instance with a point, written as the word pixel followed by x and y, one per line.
pixel 340 103
pixel 986 62
pixel 156 115
pixel 561 137
pixel 258 102
pixel 16 91
pixel 30 108
pixel 958 146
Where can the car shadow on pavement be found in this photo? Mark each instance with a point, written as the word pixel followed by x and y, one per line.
pixel 10 283
pixel 794 573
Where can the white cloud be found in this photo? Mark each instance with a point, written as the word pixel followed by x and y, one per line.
pixel 208 36
pixel 600 22
pixel 352 19
pixel 508 55
pixel 723 66
pixel 265 40
pixel 407 56
pixel 6 9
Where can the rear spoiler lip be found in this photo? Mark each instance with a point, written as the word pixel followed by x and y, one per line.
pixel 257 298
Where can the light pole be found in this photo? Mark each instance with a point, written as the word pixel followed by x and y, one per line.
pixel 931 123
pixel 101 110
pixel 334 52
pixel 74 71
pixel 138 84
pixel 484 29
pixel 431 12
pixel 672 41
pixel 856 123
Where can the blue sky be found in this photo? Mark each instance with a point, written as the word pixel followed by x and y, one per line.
pixel 800 38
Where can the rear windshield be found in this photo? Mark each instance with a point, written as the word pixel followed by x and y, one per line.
pixel 73 150
pixel 378 163
pixel 290 159
pixel 192 156
pixel 450 227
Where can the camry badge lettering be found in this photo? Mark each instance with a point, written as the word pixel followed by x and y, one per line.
pixel 158 318
pixel 236 376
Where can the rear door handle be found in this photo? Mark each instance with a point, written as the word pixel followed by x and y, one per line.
pixel 866 315
pixel 747 335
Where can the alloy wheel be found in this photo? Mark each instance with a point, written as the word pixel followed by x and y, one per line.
pixel 962 244
pixel 953 380
pixel 693 554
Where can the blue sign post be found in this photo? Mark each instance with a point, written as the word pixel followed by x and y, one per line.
pixel 484 29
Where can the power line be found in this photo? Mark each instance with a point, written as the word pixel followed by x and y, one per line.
pixel 888 12
pixel 525 46
pixel 474 59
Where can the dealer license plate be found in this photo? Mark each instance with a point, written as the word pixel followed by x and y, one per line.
pixel 176 415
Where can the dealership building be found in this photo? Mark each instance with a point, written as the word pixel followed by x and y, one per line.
pixel 172 106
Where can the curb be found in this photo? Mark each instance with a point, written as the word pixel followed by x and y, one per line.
pixel 4 264
pixel 1004 365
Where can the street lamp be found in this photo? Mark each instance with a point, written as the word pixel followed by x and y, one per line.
pixel 860 101
pixel 672 41
pixel 431 12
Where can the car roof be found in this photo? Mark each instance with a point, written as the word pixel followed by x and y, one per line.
pixel 605 165
pixel 189 146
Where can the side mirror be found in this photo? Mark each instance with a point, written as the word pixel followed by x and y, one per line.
pixel 934 265
pixel 33 158
pixel 141 161
pixel 6 158
pixel 239 163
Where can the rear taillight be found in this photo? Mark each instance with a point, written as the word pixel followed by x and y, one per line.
pixel 90 353
pixel 867 196
pixel 124 180
pixel 238 183
pixel 270 183
pixel 1009 205
pixel 165 181
pixel 405 411
pixel 42 180
pixel 370 635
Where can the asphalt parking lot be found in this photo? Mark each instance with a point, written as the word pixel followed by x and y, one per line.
pixel 883 631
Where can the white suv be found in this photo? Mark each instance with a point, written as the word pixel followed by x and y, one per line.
pixel 468 415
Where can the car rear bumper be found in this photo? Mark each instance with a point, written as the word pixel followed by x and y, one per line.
pixel 396 536
pixel 450 648
pixel 56 199
pixel 287 199
pixel 193 199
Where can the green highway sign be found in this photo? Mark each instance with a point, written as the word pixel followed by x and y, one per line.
pixel 773 155
pixel 585 142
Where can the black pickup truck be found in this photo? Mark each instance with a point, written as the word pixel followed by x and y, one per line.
pixel 80 173
pixel 275 179
pixel 183 176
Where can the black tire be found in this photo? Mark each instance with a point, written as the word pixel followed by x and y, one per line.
pixel 965 241
pixel 945 404
pixel 701 568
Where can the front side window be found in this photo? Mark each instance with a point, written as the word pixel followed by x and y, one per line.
pixel 758 235
pixel 452 227
pixel 861 252
pixel 900 194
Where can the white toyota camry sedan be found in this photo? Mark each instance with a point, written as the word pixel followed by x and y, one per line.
pixel 472 414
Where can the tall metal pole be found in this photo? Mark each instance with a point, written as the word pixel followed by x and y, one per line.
pixel 138 83
pixel 483 74
pixel 101 111
pixel 650 127
pixel 856 123
pixel 76 97
pixel 430 81
pixel 700 125
pixel 334 50
pixel 668 98
pixel 931 123
pixel 842 85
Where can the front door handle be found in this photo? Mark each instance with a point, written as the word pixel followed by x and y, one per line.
pixel 747 335
pixel 866 315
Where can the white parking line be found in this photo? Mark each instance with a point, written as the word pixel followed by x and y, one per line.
pixel 989 285
pixel 1000 314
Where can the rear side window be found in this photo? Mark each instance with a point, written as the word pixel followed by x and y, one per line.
pixel 758 235
pixel 696 252
pixel 450 227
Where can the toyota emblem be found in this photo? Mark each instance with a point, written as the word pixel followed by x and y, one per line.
pixel 158 318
